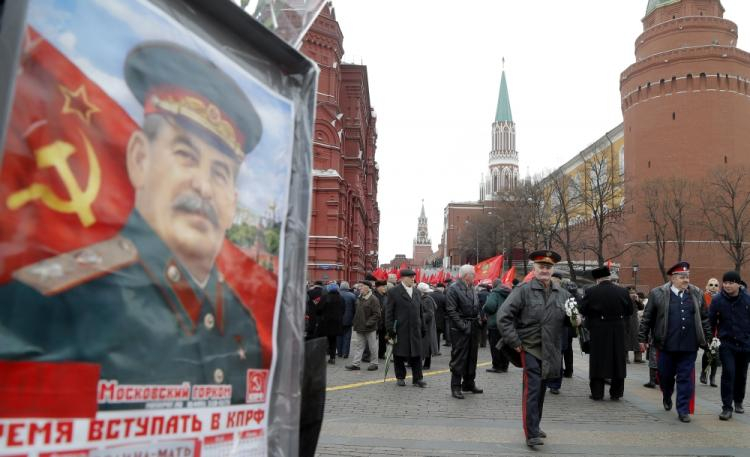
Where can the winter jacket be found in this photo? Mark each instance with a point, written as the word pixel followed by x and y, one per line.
pixel 367 314
pixel 462 305
pixel 492 305
pixel 526 319
pixel 655 316
pixel 731 316
pixel 349 301
pixel 328 313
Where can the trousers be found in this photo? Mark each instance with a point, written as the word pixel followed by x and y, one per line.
pixel 499 361
pixel 616 387
pixel 532 400
pixel 464 352
pixel 359 340
pixel 679 367
pixel 399 365
pixel 733 375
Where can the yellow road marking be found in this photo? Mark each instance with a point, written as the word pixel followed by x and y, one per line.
pixel 380 381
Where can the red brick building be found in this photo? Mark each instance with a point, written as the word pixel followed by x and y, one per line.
pixel 685 105
pixel 345 216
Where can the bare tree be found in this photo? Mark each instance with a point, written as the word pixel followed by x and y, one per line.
pixel 565 198
pixel 725 204
pixel 600 191
pixel 668 211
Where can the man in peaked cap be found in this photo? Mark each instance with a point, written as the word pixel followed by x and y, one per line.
pixel 606 306
pixel 531 321
pixel 676 317
pixel 169 300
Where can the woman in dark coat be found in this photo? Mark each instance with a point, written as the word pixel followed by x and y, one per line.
pixel 329 315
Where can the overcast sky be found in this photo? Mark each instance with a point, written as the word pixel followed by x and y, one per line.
pixel 434 72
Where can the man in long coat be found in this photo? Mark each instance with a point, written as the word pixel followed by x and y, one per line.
pixel 403 320
pixel 606 306
pixel 531 321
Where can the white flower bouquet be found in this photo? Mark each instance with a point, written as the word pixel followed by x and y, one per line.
pixel 712 353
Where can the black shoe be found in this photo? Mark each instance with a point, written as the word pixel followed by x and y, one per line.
pixel 667 402
pixel 554 391
pixel 474 390
pixel 712 382
pixel 437 353
pixel 426 367
pixel 493 370
pixel 400 382
pixel 446 344
pixel 542 434
pixel 615 398
pixel 332 361
pixel 738 408
pixel 704 378
pixel 536 441
pixel 595 398
pixel 725 415
pixel 352 367
pixel 419 383
pixel 650 385
pixel 684 418
pixel 567 375
pixel 372 367
pixel 456 393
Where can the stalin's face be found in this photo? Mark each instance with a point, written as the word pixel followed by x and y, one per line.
pixel 184 190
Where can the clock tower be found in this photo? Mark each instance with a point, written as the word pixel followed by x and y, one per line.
pixel 422 243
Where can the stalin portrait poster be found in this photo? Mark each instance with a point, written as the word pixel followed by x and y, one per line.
pixel 143 187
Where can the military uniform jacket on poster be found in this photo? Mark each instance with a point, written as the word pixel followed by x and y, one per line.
pixel 408 313
pixel 142 318
pixel 527 319
pixel 655 316
pixel 607 308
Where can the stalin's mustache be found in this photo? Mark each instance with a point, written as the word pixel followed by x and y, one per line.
pixel 194 204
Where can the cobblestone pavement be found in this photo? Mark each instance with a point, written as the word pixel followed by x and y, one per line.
pixel 366 417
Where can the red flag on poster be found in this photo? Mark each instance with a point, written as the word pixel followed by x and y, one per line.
pixel 488 269
pixel 63 163
pixel 509 276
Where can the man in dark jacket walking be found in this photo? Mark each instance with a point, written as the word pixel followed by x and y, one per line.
pixel 439 296
pixel 730 319
pixel 496 298
pixel 403 320
pixel 462 308
pixel 365 324
pixel 531 321
pixel 606 306
pixel 677 317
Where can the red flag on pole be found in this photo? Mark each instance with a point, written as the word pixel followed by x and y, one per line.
pixel 509 275
pixel 529 276
pixel 489 269
pixel 418 277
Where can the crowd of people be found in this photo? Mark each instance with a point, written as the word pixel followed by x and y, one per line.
pixel 533 324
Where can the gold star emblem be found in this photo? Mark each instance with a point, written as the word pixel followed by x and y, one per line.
pixel 77 102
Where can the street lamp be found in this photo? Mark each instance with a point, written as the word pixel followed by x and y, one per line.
pixel 635 274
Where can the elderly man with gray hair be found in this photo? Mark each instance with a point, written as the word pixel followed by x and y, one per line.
pixel 462 308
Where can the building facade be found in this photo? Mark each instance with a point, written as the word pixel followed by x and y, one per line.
pixel 345 219
pixel 685 104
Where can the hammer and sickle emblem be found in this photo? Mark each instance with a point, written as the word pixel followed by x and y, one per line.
pixel 56 155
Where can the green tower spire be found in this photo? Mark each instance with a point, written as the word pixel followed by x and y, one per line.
pixel 503 102
pixel 653 4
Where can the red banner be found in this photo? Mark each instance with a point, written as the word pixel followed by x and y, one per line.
pixel 509 276
pixel 489 269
